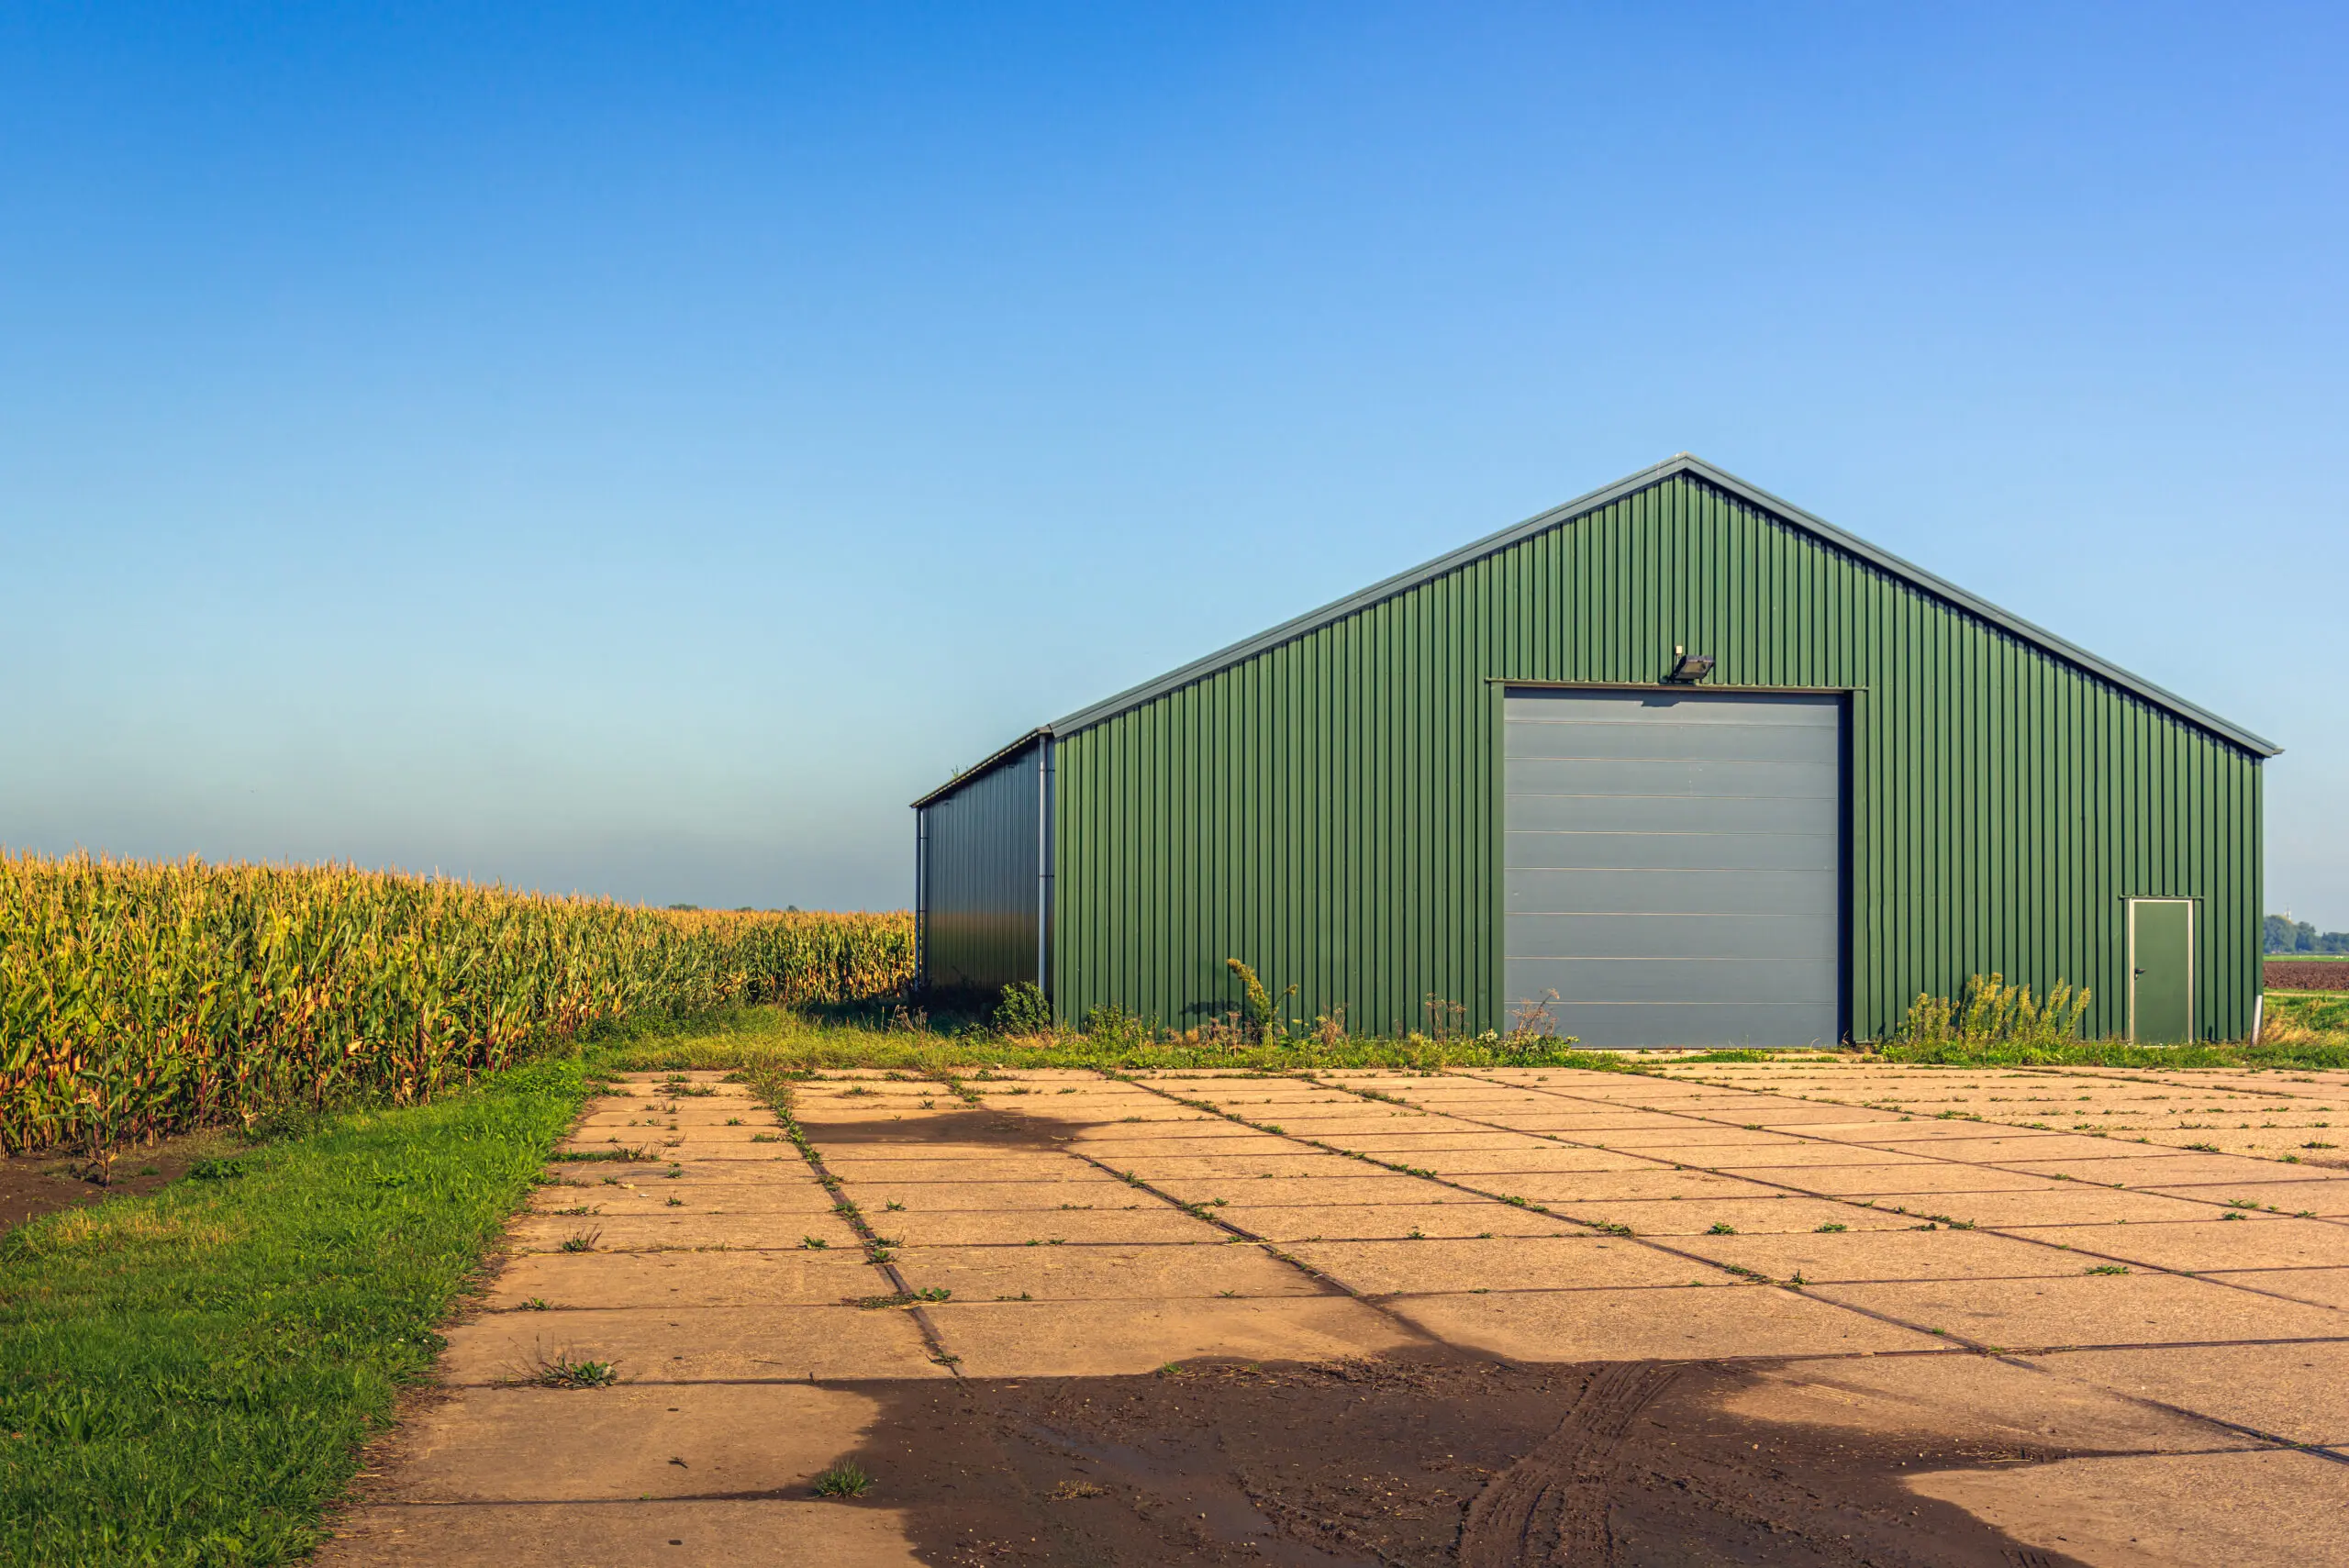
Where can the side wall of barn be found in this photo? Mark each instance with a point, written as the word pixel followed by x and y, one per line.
pixel 979 898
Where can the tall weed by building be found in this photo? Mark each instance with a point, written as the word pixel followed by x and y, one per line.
pixel 1991 1012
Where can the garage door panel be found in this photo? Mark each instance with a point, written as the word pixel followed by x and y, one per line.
pixel 1530 706
pixel 1533 891
pixel 1674 814
pixel 1673 852
pixel 1635 776
pixel 1778 936
pixel 1672 865
pixel 1661 742
pixel 1771 982
pixel 1751 1025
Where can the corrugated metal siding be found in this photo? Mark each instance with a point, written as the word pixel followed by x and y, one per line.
pixel 1328 810
pixel 979 896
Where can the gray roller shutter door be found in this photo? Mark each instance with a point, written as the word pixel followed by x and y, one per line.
pixel 1672 865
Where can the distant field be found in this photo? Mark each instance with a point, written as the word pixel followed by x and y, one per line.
pixel 2306 975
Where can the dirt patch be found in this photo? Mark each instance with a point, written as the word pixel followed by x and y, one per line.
pixel 35 1185
pixel 2304 975
pixel 1422 1459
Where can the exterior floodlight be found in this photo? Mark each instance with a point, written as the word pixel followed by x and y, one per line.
pixel 1691 668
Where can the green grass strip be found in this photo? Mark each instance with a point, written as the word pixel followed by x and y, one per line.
pixel 782 1039
pixel 775 1039
pixel 186 1378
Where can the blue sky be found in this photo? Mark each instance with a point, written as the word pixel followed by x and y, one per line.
pixel 636 449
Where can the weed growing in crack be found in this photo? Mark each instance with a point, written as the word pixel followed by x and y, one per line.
pixel 560 1371
pixel 846 1479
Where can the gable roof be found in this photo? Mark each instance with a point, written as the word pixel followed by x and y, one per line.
pixel 1646 478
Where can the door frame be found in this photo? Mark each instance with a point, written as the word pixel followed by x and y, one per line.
pixel 2193 997
pixel 1497 689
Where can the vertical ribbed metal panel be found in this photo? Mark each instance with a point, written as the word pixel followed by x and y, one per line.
pixel 1328 809
pixel 979 897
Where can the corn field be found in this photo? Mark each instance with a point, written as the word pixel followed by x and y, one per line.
pixel 137 999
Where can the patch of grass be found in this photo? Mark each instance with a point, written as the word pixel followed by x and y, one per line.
pixel 815 1040
pixel 846 1479
pixel 562 1370
pixel 187 1377
pixel 2109 1269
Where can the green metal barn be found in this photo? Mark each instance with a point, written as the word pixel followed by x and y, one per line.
pixel 1676 764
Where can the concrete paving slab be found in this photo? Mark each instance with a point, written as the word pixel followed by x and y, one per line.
pixel 1442 1265
pixel 679 1228
pixel 1114 1143
pixel 1979 1398
pixel 518 1445
pixel 732 1116
pixel 2321 1287
pixel 1103 1272
pixel 2181 1169
pixel 1930 1136
pixel 1454 1141
pixel 2271 1508
pixel 765 1534
pixel 1687 1323
pixel 1046 1338
pixel 1777 1214
pixel 2201 1246
pixel 1143 1220
pixel 655 1280
pixel 1474 1165
pixel 1681 1135
pixel 1793 1156
pixel 2327 1198
pixel 1916 1176
pixel 2296 1391
pixel 1336 1222
pixel 1247 1167
pixel 2025 1150
pixel 2122 1309
pixel 1376 1186
pixel 2060 1203
pixel 694 1344
pixel 991 1197
pixel 1637 1186
pixel 1883 1254
pixel 655 1198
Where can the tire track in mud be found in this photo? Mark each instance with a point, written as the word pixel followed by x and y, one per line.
pixel 1551 1507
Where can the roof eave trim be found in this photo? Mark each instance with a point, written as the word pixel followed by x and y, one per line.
pixel 986 764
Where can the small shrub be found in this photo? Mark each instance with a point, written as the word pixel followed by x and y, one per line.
pixel 1113 1027
pixel 1022 1009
